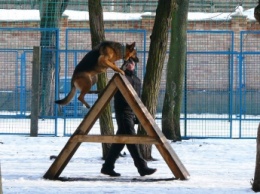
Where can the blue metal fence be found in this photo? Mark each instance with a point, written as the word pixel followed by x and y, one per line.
pixel 208 98
pixel 15 82
pixel 221 88
pixel 248 84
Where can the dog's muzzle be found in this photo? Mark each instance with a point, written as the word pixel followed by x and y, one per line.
pixel 136 60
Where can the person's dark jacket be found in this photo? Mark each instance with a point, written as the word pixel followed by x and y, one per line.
pixel 119 100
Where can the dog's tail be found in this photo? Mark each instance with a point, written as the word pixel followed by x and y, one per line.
pixel 68 98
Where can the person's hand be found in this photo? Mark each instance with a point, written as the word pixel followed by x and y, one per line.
pixel 136 121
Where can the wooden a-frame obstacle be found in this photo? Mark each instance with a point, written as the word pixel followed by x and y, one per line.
pixel 154 134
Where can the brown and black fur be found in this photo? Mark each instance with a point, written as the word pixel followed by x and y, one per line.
pixel 95 62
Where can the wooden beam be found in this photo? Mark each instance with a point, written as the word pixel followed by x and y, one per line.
pixel 123 139
pixel 71 147
pixel 152 129
pixel 155 135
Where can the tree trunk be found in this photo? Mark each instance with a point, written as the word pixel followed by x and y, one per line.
pixel 175 73
pixel 97 36
pixel 50 14
pixel 256 183
pixel 156 58
pixel 1 186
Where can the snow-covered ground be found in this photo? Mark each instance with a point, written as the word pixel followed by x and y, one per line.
pixel 216 166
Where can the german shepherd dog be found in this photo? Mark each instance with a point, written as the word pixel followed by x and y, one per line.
pixel 95 62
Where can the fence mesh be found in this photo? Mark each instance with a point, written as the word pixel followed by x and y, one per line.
pixel 222 91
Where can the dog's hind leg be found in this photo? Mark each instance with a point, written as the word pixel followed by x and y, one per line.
pixel 81 98
pixel 94 81
pixel 83 83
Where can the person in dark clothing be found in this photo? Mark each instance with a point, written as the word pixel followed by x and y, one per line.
pixel 125 120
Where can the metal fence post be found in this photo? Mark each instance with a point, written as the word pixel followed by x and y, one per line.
pixel 35 91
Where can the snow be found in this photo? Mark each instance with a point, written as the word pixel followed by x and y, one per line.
pixel 34 15
pixel 216 166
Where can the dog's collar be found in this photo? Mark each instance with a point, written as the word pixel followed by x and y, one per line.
pixel 123 47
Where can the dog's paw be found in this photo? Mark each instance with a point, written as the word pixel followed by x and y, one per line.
pixel 122 72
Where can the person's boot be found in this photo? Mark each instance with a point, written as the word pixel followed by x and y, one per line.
pixel 110 172
pixel 146 171
pixel 109 165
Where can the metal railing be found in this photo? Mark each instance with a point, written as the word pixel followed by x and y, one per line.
pixel 221 96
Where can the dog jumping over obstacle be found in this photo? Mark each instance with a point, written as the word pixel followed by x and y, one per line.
pixel 95 62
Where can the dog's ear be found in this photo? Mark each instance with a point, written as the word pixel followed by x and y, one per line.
pixel 131 46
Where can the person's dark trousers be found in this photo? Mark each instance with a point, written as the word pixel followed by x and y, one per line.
pixel 125 122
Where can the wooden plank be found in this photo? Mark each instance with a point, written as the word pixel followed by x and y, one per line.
pixel 125 139
pixel 145 118
pixel 151 128
pixel 71 147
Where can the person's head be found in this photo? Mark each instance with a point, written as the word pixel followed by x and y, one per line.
pixel 130 65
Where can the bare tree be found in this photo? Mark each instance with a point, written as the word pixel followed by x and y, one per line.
pixel 50 13
pixel 175 73
pixel 256 181
pixel 156 58
pixel 98 35
pixel 1 189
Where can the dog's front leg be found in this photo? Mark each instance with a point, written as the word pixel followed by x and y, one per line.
pixel 113 66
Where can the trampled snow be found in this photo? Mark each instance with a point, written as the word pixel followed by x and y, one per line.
pixel 215 165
